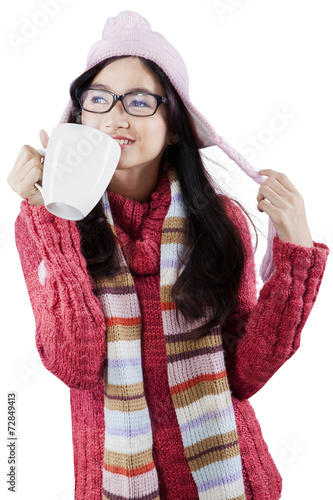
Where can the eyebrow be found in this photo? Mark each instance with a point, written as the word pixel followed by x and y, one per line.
pixel 105 87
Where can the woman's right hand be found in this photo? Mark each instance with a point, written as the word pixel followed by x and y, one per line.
pixel 27 170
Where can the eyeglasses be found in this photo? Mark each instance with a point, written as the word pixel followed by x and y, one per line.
pixel 134 103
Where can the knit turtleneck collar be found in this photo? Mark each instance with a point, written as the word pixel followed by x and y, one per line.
pixel 139 225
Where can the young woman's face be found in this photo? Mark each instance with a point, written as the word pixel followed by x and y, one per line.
pixel 150 134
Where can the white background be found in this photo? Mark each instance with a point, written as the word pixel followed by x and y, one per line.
pixel 247 60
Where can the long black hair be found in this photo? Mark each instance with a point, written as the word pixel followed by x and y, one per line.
pixel 216 257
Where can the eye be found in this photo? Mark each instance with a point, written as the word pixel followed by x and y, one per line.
pixel 93 99
pixel 98 99
pixel 139 102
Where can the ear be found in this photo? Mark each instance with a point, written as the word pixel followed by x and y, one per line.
pixel 173 139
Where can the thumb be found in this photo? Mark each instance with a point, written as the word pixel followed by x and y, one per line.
pixel 44 138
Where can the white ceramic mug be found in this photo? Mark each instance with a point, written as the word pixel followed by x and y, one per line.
pixel 78 166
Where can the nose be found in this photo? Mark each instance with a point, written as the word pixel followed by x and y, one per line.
pixel 116 117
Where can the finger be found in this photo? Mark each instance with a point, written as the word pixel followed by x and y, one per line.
pixel 26 152
pixel 276 186
pixel 267 193
pixel 279 176
pixel 25 169
pixel 44 138
pixel 27 188
pixel 268 208
pixel 34 175
pixel 24 157
pixel 275 192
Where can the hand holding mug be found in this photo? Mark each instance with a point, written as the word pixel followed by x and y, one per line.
pixel 27 170
pixel 78 165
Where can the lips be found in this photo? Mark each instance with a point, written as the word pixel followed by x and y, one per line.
pixel 122 140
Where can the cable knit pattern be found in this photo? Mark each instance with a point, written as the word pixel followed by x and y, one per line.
pixel 139 227
pixel 259 337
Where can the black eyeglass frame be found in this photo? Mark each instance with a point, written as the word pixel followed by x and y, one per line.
pixel 121 98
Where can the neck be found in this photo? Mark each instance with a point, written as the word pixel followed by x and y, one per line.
pixel 135 183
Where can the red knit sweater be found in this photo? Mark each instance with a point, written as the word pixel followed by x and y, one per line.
pixel 70 336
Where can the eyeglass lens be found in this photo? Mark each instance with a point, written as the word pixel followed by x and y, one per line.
pixel 135 103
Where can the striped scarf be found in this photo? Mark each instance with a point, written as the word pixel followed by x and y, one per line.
pixel 197 380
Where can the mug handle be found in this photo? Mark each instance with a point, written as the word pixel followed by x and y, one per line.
pixel 42 152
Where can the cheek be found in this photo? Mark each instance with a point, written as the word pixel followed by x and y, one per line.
pixel 89 119
pixel 158 134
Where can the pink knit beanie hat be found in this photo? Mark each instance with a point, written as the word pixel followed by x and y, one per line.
pixel 130 34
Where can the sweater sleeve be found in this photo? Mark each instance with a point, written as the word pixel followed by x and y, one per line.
pixel 262 334
pixel 70 325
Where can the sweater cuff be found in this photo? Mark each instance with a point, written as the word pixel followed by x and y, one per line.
pixel 40 214
pixel 57 238
pixel 290 258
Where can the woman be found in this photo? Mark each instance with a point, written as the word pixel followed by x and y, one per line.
pixel 147 308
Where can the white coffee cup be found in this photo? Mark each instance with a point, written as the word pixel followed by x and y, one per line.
pixel 78 166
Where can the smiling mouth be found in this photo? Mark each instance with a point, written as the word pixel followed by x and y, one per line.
pixel 122 142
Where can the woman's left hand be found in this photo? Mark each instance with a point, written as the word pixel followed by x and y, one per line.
pixel 279 198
